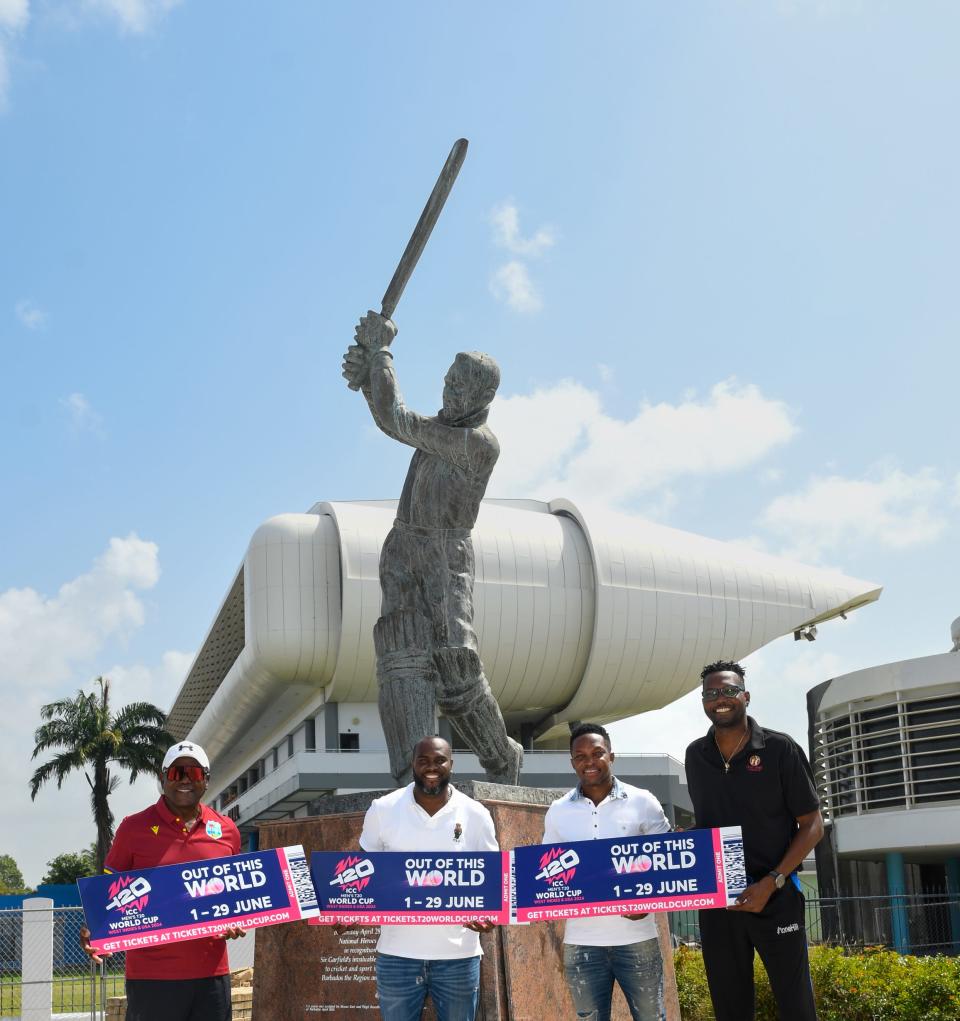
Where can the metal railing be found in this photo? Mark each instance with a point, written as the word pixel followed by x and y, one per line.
pixel 672 767
pixel 66 979
pixel 901 754
pixel 854 922
pixel 69 983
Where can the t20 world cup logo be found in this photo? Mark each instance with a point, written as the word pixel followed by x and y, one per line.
pixel 558 865
pixel 128 893
pixel 352 871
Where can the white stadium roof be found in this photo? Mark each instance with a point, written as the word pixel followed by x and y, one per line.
pixel 580 615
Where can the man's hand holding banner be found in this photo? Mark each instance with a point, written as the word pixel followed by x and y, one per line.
pixel 626 875
pixel 411 888
pixel 149 907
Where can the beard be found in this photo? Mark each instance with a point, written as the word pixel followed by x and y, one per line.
pixel 431 790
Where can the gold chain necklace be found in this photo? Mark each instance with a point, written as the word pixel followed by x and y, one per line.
pixel 726 762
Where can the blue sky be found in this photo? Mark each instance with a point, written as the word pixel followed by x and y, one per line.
pixel 713 247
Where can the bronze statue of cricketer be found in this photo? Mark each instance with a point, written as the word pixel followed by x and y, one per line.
pixel 426 647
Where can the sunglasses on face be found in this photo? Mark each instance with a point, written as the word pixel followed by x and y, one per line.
pixel 195 774
pixel 728 691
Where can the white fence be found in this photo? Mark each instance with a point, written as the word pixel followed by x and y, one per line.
pixel 45 974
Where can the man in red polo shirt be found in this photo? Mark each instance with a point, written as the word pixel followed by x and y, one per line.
pixel 185 981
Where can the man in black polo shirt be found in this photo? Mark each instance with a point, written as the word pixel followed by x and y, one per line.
pixel 760 780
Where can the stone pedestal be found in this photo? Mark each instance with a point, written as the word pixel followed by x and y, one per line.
pixel 303 971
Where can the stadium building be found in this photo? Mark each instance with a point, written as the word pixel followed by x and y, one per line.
pixel 885 746
pixel 579 617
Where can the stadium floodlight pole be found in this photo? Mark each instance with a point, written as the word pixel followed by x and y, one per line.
pixel 421 233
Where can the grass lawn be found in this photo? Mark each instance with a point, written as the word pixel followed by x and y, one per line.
pixel 71 993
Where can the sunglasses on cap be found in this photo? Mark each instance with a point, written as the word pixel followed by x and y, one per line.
pixel 195 774
pixel 728 691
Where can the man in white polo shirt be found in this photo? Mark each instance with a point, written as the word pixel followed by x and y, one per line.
pixel 442 960
pixel 597 951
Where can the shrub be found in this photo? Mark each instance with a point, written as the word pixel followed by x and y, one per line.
pixel 692 988
pixel 873 985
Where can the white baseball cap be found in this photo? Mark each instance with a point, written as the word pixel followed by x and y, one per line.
pixel 187 750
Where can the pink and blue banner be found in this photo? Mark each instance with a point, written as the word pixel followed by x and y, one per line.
pixel 150 907
pixel 415 888
pixel 581 879
pixel 627 875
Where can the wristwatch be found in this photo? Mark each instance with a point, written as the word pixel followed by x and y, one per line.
pixel 779 879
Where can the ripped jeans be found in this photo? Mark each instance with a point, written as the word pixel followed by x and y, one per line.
pixel 403 984
pixel 591 971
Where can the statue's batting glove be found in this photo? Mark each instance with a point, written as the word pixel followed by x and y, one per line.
pixel 374 331
pixel 356 366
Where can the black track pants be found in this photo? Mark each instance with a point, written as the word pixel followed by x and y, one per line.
pixel 779 936
pixel 189 999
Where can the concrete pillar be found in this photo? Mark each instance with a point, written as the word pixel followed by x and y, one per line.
pixel 897 887
pixel 953 892
pixel 331 727
pixel 37 1002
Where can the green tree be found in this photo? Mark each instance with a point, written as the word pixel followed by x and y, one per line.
pixel 70 866
pixel 11 878
pixel 89 738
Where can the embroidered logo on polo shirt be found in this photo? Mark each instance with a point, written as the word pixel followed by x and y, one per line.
pixel 214 829
pixel 754 765
pixel 155 830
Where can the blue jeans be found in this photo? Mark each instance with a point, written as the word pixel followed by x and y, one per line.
pixel 638 968
pixel 403 984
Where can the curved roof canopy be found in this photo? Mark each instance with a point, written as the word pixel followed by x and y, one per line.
pixel 579 615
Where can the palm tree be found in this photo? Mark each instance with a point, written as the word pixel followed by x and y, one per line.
pixel 90 738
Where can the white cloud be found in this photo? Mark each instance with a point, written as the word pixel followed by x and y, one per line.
pixel 30 314
pixel 956 491
pixel 134 16
pixel 132 560
pixel 560 441
pixel 158 684
pixel 780 674
pixel 511 283
pixel 131 16
pixel 667 731
pixel 778 678
pixel 14 15
pixel 83 417
pixel 606 373
pixel 889 508
pixel 51 645
pixel 44 639
pixel 505 218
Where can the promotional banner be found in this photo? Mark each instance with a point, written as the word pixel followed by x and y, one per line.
pixel 411 888
pixel 662 872
pixel 150 907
